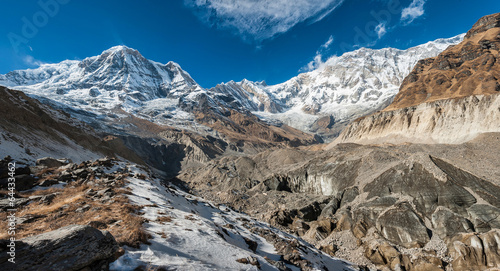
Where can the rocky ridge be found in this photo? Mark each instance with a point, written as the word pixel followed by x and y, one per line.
pixel 450 121
pixel 31 129
pixel 468 68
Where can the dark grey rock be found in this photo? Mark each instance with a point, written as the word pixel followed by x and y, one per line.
pixel 349 195
pixel 83 209
pixel 48 182
pixel 25 182
pixel 64 176
pixel 5 203
pixel 309 212
pixel 447 224
pixel 485 189
pixel 484 217
pixel 428 192
pixel 47 199
pixel 331 208
pixel 105 192
pixel 28 218
pixel 368 212
pixel 52 162
pixel 278 183
pixel 403 226
pixel 80 173
pixel 67 249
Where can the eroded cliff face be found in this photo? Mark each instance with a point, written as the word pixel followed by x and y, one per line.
pixel 450 98
pixel 450 121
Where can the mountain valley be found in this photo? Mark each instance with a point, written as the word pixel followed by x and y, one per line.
pixel 377 160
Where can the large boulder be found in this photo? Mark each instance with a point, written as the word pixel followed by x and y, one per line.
pixel 23 182
pixel 485 217
pixel 52 162
pixel 448 224
pixel 382 253
pixel 401 225
pixel 66 249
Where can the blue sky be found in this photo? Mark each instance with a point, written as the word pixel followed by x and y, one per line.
pixel 221 40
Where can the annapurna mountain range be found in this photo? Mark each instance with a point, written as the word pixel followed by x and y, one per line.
pixel 321 101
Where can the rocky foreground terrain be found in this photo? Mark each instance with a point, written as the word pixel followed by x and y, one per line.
pixel 423 191
pixel 110 215
pixel 415 206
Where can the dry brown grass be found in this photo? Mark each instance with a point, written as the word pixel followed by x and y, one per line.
pixel 131 233
pixel 119 217
pixel 46 171
pixel 41 192
pixel 163 219
pixel 50 176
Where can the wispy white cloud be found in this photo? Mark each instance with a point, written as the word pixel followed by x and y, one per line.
pixel 32 61
pixel 413 11
pixel 313 64
pixel 327 43
pixel 260 19
pixel 317 61
pixel 381 30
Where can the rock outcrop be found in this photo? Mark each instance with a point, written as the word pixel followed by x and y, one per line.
pixel 52 162
pixel 474 251
pixel 70 248
pixel 469 68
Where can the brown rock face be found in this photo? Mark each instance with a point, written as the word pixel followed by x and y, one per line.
pixel 469 68
pixel 248 129
pixel 474 251
pixel 484 24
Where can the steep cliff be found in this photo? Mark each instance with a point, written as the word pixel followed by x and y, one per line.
pixel 448 121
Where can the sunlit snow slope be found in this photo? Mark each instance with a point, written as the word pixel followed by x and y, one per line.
pixel 189 233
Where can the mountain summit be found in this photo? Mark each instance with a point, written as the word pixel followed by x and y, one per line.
pixel 120 74
pixel 343 88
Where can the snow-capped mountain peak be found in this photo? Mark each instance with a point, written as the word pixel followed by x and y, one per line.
pixel 118 76
pixel 344 87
